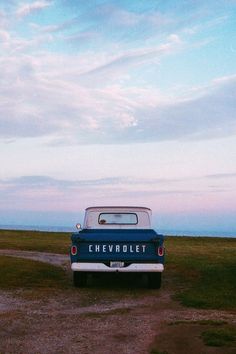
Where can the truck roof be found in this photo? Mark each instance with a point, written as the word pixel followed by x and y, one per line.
pixel 125 208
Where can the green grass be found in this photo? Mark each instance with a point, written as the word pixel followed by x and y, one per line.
pixel 23 273
pixel 217 333
pixel 203 270
pixel 220 337
pixel 55 242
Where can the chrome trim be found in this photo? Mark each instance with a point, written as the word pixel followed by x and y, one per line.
pixel 101 267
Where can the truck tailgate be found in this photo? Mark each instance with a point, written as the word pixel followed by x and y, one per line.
pixel 122 245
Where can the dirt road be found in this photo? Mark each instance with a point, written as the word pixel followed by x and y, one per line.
pixel 112 315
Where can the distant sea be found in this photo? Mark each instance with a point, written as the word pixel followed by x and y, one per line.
pixel 200 233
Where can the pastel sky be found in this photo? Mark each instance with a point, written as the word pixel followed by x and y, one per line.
pixel 119 102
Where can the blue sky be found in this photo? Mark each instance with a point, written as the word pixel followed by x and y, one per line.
pixel 118 103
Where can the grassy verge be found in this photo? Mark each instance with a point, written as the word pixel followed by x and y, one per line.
pixel 21 273
pixel 220 337
pixel 218 333
pixel 194 336
pixel 55 242
pixel 203 270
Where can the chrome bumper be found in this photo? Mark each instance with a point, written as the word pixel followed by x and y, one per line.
pixel 134 267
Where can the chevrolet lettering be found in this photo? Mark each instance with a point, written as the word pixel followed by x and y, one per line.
pixel 117 239
pixel 116 248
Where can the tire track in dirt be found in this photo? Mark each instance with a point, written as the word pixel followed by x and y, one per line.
pixel 51 258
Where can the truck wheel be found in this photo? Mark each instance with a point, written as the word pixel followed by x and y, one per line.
pixel 154 280
pixel 79 279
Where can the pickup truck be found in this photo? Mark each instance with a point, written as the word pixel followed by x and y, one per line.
pixel 117 239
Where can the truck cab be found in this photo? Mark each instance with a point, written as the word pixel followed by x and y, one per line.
pixel 117 239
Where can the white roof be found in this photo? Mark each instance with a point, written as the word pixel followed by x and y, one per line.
pixel 120 208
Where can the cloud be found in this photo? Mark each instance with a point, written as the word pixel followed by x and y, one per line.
pixel 44 193
pixel 41 182
pixel 222 176
pixel 210 114
pixel 26 9
pixel 51 96
pixel 97 96
pixel 4 36
pixel 135 57
pixel 46 181
pixel 60 26
pixel 120 17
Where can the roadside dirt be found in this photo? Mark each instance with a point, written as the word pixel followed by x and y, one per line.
pixel 113 314
pixel 51 258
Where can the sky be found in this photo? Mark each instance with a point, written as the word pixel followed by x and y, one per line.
pixel 119 102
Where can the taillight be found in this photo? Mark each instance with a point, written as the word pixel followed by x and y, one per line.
pixel 160 251
pixel 73 250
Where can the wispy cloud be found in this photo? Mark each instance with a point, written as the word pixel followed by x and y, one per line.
pixel 153 185
pixel 41 98
pixel 136 57
pixel 26 9
pixel 222 176
pixel 58 27
pixel 94 95
pixel 43 192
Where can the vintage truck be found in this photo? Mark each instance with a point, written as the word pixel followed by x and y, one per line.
pixel 117 239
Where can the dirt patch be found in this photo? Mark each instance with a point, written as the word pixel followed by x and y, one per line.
pixel 51 258
pixel 113 314
pixel 185 338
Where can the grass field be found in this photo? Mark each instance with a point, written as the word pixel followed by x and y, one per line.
pixel 201 271
pixel 18 273
pixel 35 241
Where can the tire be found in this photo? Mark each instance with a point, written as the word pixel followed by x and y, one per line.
pixel 79 279
pixel 154 280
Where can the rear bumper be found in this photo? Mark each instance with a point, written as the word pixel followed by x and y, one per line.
pixel 132 268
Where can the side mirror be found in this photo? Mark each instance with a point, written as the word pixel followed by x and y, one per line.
pixel 78 226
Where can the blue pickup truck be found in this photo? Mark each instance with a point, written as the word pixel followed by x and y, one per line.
pixel 117 239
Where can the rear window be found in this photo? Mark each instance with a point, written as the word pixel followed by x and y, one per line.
pixel 118 219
